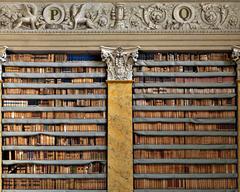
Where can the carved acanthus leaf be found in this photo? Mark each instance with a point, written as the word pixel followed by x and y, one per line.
pixel 119 62
pixel 3 54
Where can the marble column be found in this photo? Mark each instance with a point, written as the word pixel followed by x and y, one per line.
pixel 120 131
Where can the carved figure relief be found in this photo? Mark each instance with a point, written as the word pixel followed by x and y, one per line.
pixel 131 17
pixel 28 17
pixel 119 62
pixel 79 16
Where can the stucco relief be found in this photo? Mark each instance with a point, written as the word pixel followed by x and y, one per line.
pixel 120 17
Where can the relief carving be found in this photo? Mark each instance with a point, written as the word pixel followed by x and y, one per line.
pixel 131 17
pixel 214 15
pixel 27 18
pixel 79 16
pixel 119 62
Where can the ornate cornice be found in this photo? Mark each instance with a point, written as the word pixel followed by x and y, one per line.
pixel 119 62
pixel 206 17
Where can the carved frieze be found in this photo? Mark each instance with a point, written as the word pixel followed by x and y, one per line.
pixel 119 62
pixel 120 17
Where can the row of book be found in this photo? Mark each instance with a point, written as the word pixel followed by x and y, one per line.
pixel 189 140
pixel 183 127
pixel 60 184
pixel 54 155
pixel 185 154
pixel 178 114
pixel 54 115
pixel 43 140
pixel 95 167
pixel 10 69
pixel 185 184
pixel 142 55
pixel 195 69
pixel 185 102
pixel 185 56
pixel 53 128
pixel 181 56
pixel 179 168
pixel 59 80
pixel 53 57
pixel 184 90
pixel 55 103
pixel 183 79
pixel 46 91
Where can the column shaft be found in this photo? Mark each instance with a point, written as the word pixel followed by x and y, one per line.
pixel 120 145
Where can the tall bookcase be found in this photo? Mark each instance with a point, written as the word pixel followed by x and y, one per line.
pixel 53 123
pixel 185 127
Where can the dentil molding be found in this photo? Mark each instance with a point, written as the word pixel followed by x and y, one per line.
pixel 172 17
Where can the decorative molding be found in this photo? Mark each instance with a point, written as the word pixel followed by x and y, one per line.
pixel 119 62
pixel 207 17
pixel 236 58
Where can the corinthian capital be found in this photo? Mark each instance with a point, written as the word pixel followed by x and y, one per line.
pixel 119 62
pixel 236 58
pixel 3 54
pixel 236 54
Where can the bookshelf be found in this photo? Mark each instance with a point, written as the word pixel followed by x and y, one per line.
pixel 185 133
pixel 54 123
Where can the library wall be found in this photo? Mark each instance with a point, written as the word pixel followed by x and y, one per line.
pixel 54 122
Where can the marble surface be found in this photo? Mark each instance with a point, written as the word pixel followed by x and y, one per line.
pixel 120 147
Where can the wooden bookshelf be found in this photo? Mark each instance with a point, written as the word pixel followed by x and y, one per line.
pixel 185 127
pixel 54 123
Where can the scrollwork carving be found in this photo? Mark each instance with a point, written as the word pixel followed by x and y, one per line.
pixel 119 62
pixel 154 15
pixel 214 15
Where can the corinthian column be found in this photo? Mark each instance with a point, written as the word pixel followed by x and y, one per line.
pixel 120 130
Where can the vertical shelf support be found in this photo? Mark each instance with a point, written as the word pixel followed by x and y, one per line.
pixel 236 58
pixel 3 58
pixel 120 131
